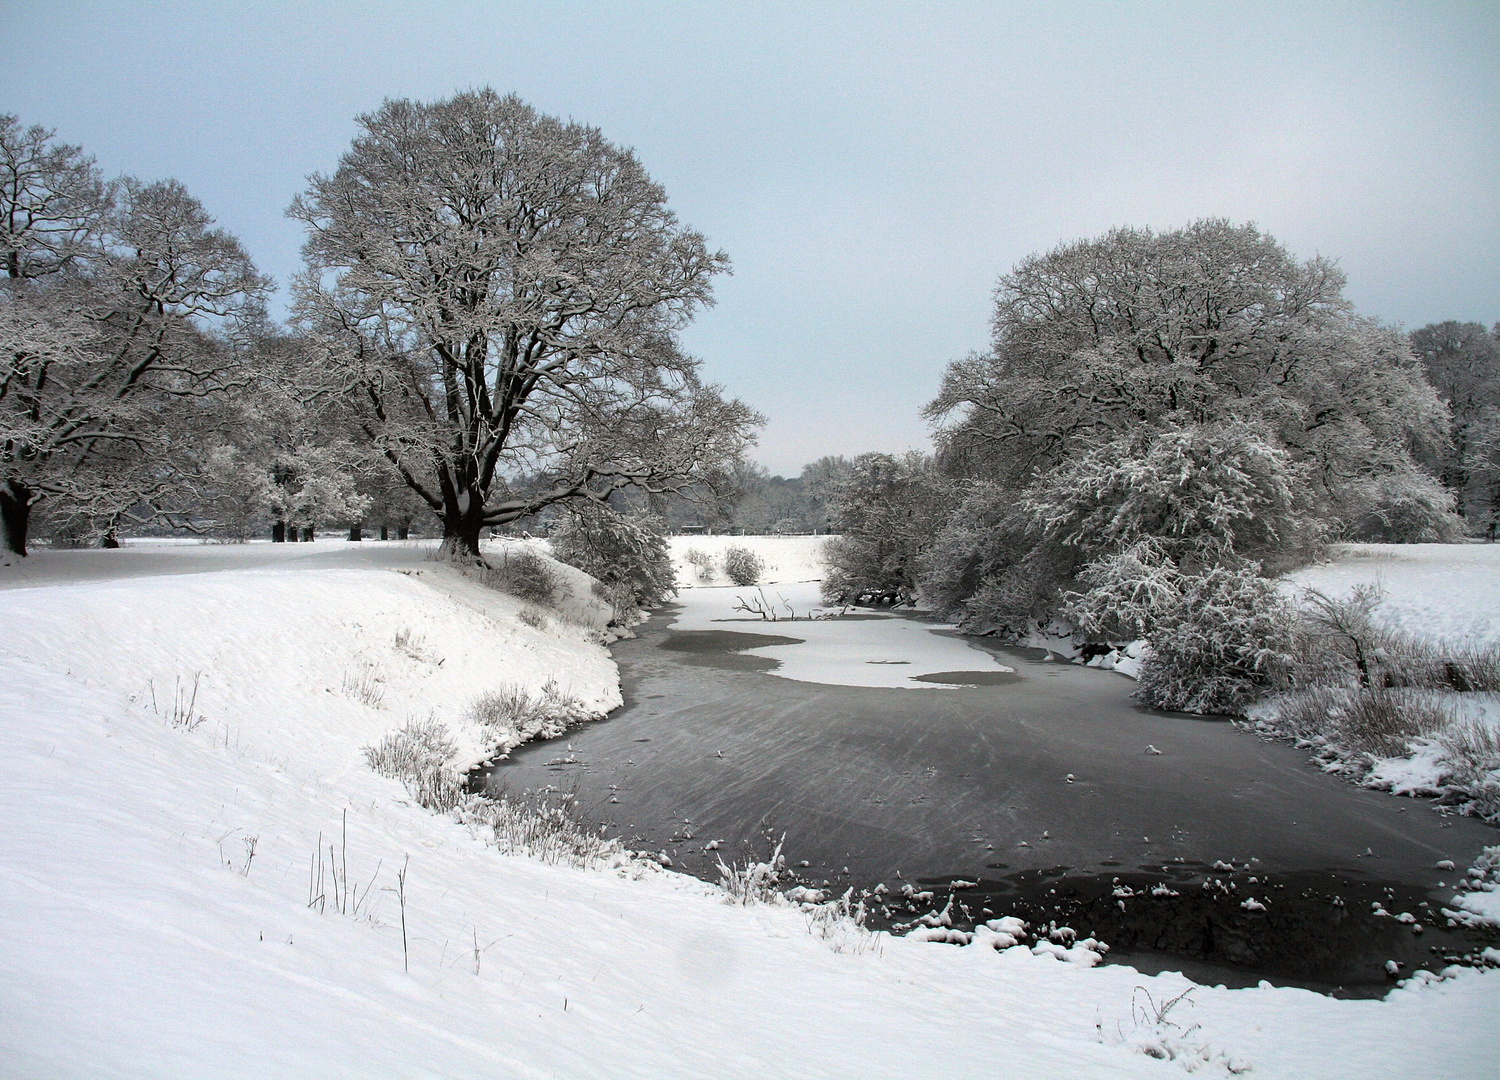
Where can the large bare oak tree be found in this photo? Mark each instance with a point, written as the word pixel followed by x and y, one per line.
pixel 496 294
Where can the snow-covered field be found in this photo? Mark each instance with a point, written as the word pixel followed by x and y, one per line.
pixel 155 880
pixel 1445 591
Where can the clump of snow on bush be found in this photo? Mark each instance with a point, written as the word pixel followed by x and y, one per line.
pixel 742 566
pixel 1221 645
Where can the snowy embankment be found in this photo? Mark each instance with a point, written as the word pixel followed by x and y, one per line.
pixel 1443 595
pixel 161 871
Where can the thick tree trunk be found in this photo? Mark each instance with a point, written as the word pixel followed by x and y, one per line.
pixel 278 532
pixel 307 535
pixel 385 532
pixel 403 532
pixel 15 516
pixel 461 529
pixel 356 532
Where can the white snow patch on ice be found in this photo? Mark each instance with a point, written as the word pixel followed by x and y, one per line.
pixel 879 649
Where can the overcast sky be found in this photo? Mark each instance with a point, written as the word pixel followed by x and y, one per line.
pixel 870 169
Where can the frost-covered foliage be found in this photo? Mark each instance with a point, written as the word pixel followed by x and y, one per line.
pixel 511 715
pixel 987 565
pixel 1410 508
pixel 544 825
pixel 1124 595
pixel 1226 639
pixel 742 566
pixel 420 756
pixel 886 510
pixel 702 564
pixel 1204 493
pixel 629 556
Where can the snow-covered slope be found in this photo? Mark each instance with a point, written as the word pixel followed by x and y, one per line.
pixel 143 934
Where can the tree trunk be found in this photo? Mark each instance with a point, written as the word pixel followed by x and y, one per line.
pixel 355 532
pixel 307 535
pixel 292 533
pixel 385 532
pixel 403 532
pixel 15 516
pixel 461 530
pixel 278 532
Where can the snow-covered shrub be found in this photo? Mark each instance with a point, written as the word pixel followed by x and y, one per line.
pixel 753 882
pixel 841 923
pixel 418 755
pixel 1125 594
pixel 1407 508
pixel 629 556
pixel 524 575
pixel 1472 749
pixel 1016 600
pixel 363 685
pixel 533 617
pixel 1223 643
pixel 512 715
pixel 1374 721
pixel 742 566
pixel 543 825
pixel 701 563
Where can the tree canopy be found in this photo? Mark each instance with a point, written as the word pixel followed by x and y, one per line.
pixel 1194 325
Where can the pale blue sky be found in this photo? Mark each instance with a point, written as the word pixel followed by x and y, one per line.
pixel 870 168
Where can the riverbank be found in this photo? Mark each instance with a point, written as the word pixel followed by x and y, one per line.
pixel 217 885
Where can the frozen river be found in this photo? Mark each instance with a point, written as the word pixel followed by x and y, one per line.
pixel 1047 781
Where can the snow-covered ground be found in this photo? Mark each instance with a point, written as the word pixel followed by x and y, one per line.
pixel 785 558
pixel 155 881
pixel 1444 591
pixel 1441 593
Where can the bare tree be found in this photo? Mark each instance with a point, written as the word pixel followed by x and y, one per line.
pixel 498 293
pixel 117 312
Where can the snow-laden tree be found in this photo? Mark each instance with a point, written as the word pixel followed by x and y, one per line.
pixel 117 315
pixel 885 509
pixel 628 555
pixel 1203 494
pixel 497 294
pixel 1197 325
pixel 1463 363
